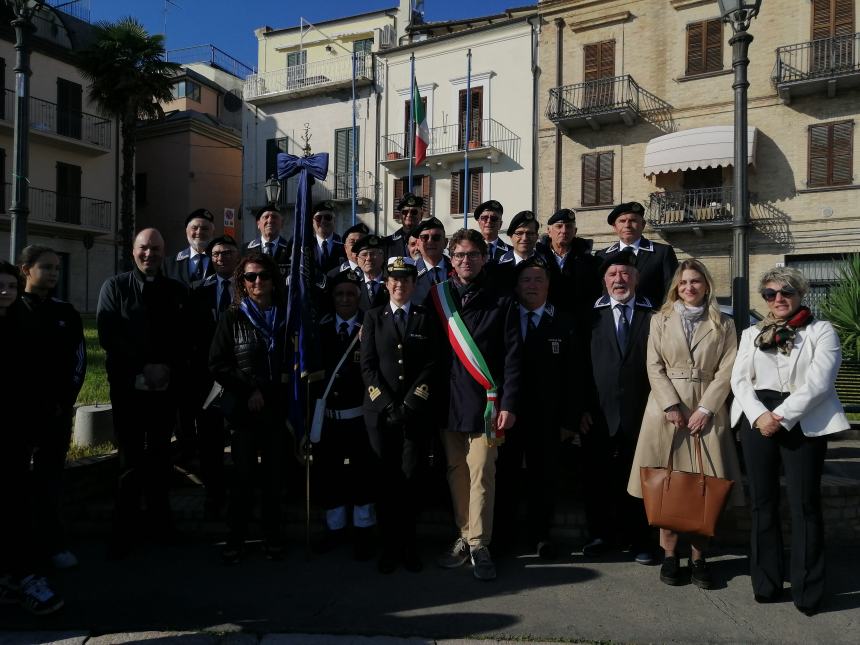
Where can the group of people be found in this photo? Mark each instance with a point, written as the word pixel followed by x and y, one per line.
pixel 459 343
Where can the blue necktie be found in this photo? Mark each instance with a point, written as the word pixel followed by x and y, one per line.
pixel 623 327
pixel 270 248
pixel 224 299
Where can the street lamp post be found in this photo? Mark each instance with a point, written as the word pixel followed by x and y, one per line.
pixel 739 14
pixel 273 191
pixel 20 209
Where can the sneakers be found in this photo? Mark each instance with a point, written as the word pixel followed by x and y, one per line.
pixel 482 564
pixel 64 560
pixel 700 574
pixel 37 597
pixel 644 557
pixel 10 592
pixel 456 556
pixel 670 571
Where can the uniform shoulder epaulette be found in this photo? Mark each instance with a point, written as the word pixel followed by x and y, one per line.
pixel 549 309
pixel 209 280
pixel 642 301
pixel 646 245
pixel 612 248
pixel 326 319
pixel 507 258
pixel 253 244
pixel 422 272
pixel 282 242
pixel 602 301
pixel 184 254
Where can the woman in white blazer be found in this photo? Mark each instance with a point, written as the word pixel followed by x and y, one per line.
pixel 783 382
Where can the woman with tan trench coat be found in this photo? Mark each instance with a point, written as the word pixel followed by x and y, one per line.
pixel 691 350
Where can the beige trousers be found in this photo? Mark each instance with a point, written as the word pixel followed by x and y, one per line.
pixel 472 479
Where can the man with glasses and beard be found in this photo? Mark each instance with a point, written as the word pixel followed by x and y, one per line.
pixel 410 208
pixel 489 218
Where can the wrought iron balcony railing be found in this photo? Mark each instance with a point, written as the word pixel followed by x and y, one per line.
pixel 318 74
pixel 619 95
pixel 699 206
pixel 57 208
pixel 210 55
pixel 817 59
pixel 47 117
pixel 445 139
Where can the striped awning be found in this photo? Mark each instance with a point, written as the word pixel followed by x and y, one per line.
pixel 709 147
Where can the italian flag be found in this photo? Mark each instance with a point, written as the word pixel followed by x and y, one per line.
pixel 422 132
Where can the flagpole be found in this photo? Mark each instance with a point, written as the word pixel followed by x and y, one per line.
pixel 466 188
pixel 411 142
pixel 354 160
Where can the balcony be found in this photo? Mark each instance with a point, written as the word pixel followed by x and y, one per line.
pixel 692 210
pixel 817 67
pixel 70 212
pixel 310 78
pixel 77 130
pixel 606 101
pixel 212 56
pixel 489 139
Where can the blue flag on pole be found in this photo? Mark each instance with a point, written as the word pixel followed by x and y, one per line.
pixel 302 340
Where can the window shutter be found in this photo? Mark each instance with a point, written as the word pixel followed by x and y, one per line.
pixel 599 60
pixel 591 55
pixel 456 200
pixel 589 180
pixel 399 189
pixel 607 59
pixel 842 144
pixel 695 50
pixel 843 17
pixel 713 45
pixel 605 171
pixel 597 178
pixel 424 186
pixel 475 188
pixel 819 144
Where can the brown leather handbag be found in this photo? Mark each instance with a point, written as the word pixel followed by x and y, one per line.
pixel 683 502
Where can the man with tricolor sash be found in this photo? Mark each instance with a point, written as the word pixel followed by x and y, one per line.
pixel 482 324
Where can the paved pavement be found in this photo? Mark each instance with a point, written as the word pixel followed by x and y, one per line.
pixel 183 594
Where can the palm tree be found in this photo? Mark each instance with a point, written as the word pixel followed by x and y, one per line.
pixel 842 306
pixel 129 77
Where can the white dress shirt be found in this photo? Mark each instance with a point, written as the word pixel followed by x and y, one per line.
pixel 352 323
pixel 634 247
pixel 628 310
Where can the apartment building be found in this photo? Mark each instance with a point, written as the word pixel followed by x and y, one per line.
pixel 74 163
pixel 638 105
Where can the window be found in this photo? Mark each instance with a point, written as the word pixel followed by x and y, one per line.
pixel 831 160
pixel 421 187
pixel 294 59
pixel 363 46
pixel 476 116
pixel 186 89
pixel 273 147
pixel 599 64
pixel 597 172
pixel 69 104
pixel 140 188
pixel 822 271
pixel 343 157
pixel 832 35
pixel 704 47
pixel 475 190
pixel 68 209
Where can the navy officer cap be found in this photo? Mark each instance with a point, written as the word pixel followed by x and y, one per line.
pixel 624 257
pixel 200 213
pixel 410 200
pixel 563 215
pixel 400 267
pixel 349 276
pixel 489 205
pixel 361 227
pixel 367 242
pixel 534 261
pixel 521 218
pixel 425 225
pixel 628 207
pixel 223 239
pixel 265 209
pixel 324 206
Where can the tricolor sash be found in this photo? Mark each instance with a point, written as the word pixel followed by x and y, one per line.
pixel 467 351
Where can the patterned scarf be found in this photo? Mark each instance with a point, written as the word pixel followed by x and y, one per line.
pixel 268 322
pixel 779 334
pixel 690 318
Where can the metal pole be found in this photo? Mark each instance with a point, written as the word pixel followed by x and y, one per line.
pixel 411 143
pixel 465 188
pixel 740 222
pixel 354 143
pixel 20 210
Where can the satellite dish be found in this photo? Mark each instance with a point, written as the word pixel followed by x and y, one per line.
pixel 232 103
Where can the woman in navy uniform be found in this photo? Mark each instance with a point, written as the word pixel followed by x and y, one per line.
pixel 400 352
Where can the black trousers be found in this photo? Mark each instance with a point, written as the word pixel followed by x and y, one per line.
pixel 802 459
pixel 17 555
pixel 401 451
pixel 535 444
pixel 611 513
pixel 264 435
pixel 212 438
pixel 53 434
pixel 143 424
pixel 340 483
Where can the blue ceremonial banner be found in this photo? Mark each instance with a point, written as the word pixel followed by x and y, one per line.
pixel 302 340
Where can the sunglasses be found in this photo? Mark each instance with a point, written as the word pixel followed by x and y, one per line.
pixel 519 233
pixel 326 217
pixel 770 294
pixel 435 237
pixel 218 254
pixel 251 276
pixel 410 211
pixel 489 218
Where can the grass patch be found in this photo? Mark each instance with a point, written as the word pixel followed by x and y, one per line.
pixel 95 389
pixel 79 452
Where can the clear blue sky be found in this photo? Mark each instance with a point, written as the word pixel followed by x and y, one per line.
pixel 230 24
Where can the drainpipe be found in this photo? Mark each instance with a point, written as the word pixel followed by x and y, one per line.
pixel 559 53
pixel 535 30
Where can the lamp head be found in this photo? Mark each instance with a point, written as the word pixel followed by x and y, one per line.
pixel 25 8
pixel 739 13
pixel 273 190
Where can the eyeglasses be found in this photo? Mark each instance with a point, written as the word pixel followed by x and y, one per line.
pixel 489 218
pixel 459 256
pixel 435 237
pixel 770 294
pixel 226 253
pixel 251 276
pixel 324 217
pixel 410 211
pixel 519 233
pixel 367 253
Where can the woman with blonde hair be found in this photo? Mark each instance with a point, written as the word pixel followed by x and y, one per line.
pixel 691 350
